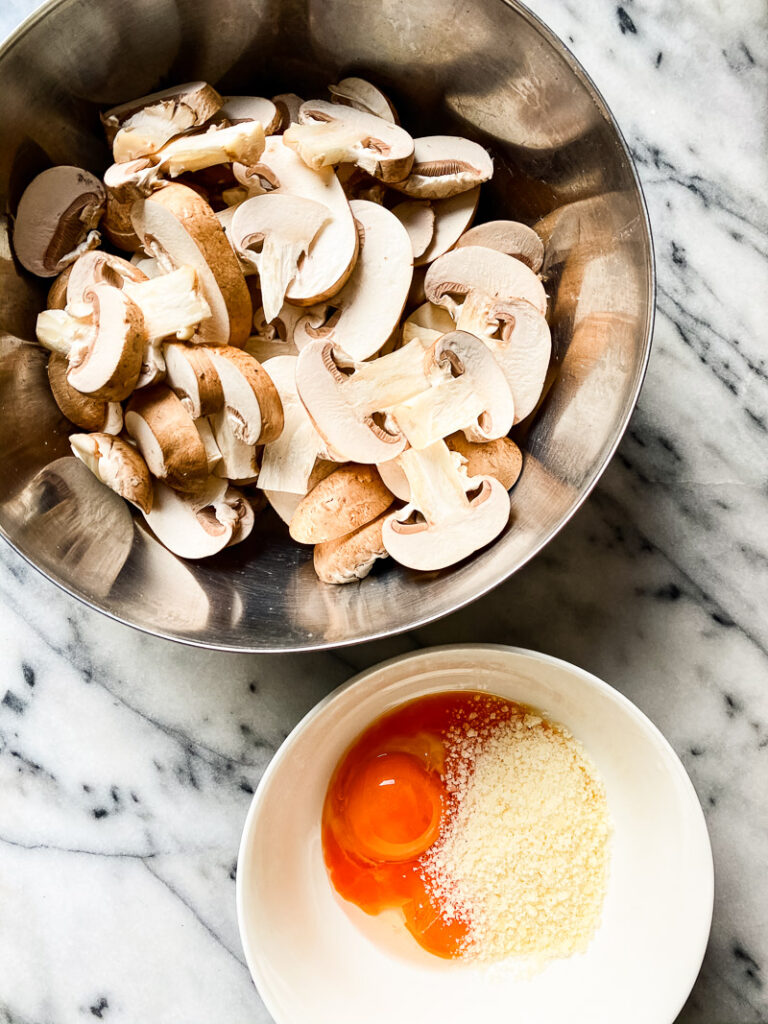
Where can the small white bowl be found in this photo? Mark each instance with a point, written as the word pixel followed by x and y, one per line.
pixel 318 960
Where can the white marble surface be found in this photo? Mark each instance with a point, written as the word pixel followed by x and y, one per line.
pixel 127 763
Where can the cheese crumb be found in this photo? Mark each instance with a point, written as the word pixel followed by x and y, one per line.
pixel 523 857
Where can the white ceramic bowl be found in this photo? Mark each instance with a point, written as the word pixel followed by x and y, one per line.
pixel 317 959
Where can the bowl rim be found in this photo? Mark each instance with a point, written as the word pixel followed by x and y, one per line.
pixel 588 678
pixel 426 617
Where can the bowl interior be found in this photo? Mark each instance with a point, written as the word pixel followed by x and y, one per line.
pixel 316 958
pixel 490 72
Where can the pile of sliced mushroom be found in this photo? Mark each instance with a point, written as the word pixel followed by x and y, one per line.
pixel 257 337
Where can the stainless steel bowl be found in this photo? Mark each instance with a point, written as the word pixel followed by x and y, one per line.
pixel 488 70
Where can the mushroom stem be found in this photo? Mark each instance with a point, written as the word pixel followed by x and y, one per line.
pixel 59 331
pixel 172 304
pixel 242 142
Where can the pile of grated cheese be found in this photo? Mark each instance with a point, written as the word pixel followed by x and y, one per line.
pixel 523 858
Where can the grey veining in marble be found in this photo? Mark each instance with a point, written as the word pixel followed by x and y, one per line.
pixel 127 763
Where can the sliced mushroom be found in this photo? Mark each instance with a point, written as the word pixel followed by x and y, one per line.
pixel 125 185
pixel 200 525
pixel 56 218
pixel 452 217
pixel 167 438
pixel 427 324
pixel 448 517
pixel 180 229
pixel 237 109
pixel 274 232
pixel 443 166
pixel 357 93
pixel 288 106
pixel 501 459
pixel 329 134
pixel 361 317
pixel 330 262
pixel 347 408
pixel 358 184
pixel 104 342
pixel 82 410
pixel 212 451
pixel 116 464
pixel 275 338
pixel 285 503
pixel 508 236
pixel 522 350
pixel 471 394
pixel 352 557
pixel 418 219
pixel 192 376
pixel 143 125
pixel 242 142
pixel 339 504
pixel 252 413
pixel 288 461
pixel 471 281
pixel 99 268
pixel 57 293
pixel 173 305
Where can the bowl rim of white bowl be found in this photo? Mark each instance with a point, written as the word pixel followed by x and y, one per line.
pixel 676 773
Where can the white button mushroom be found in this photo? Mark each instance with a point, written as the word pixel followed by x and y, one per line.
pixel 508 236
pixel 448 517
pixel 362 95
pixel 288 461
pixel 142 126
pixel 236 109
pixel 200 525
pixel 443 166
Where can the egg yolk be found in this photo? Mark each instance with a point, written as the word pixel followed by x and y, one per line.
pixel 385 807
pixel 393 807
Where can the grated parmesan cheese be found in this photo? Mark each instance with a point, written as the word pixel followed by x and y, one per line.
pixel 523 857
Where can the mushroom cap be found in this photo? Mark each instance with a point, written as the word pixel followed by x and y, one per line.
pixel 330 262
pixel 190 373
pixel 329 133
pixel 418 219
pixel 99 267
pixel 82 410
pixel 57 293
pixel 508 236
pixel 116 224
pixel 362 95
pixel 117 464
pixel 167 438
pixel 252 412
pixel 351 557
pixel 339 504
pixel 178 224
pixel 475 269
pixel 449 516
pixel 427 323
pixel 55 219
pixel 193 526
pixel 109 366
pixel 523 351
pixel 445 165
pixel 244 510
pixel 452 217
pixel 237 109
pixel 285 503
pixel 501 458
pixel 282 229
pixel 198 98
pixel 349 430
pixel 370 304
pixel 288 106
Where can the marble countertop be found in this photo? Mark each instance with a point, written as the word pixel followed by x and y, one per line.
pixel 127 763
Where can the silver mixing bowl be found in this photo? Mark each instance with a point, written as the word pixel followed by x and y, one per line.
pixel 486 69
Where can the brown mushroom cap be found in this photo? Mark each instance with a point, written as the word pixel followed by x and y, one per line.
pixel 117 464
pixel 339 504
pixel 443 166
pixel 182 107
pixel 99 268
pixel 57 293
pixel 501 459
pixel 109 366
pixel 179 224
pixel 55 219
pixel 329 134
pixel 190 373
pixel 288 106
pixel 92 414
pixel 508 236
pixel 167 438
pixel 351 557
pixel 251 371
